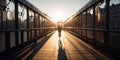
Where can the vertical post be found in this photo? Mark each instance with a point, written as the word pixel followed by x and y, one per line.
pixel 39 25
pixel 6 19
pixel 35 38
pixel 107 21
pixel 34 25
pixel 1 27
pixel 78 24
pixel 81 26
pixel 16 23
pixel 46 25
pixel 94 40
pixel 43 26
pixel 27 23
pixel 73 24
pixel 86 24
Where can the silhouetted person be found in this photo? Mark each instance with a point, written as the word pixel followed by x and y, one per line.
pixel 59 28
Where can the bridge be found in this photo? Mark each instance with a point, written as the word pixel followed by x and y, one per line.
pixel 92 33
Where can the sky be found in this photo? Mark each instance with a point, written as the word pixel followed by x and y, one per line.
pixel 59 9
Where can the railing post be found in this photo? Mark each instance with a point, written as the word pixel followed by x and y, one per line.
pixel 16 23
pixel 86 24
pixel 94 40
pixel 27 23
pixel 81 26
pixel 78 24
pixel 1 21
pixel 40 25
pixel 35 39
pixel 43 26
pixel 107 21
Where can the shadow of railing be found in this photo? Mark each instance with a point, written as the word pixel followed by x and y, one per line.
pixel 38 47
pixel 61 51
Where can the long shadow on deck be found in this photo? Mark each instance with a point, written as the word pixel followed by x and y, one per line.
pixel 61 53
pixel 37 48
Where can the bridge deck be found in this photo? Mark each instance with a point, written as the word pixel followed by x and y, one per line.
pixel 68 47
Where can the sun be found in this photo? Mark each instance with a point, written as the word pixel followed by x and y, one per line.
pixel 59 15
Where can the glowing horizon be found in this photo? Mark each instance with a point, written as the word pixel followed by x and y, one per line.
pixel 59 15
pixel 59 9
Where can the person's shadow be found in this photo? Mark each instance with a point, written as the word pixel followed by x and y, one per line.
pixel 61 51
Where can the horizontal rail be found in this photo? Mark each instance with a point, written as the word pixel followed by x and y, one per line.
pixel 13 30
pixel 95 29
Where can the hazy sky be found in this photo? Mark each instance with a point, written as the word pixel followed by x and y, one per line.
pixel 59 9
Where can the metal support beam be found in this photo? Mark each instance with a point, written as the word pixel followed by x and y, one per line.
pixel 81 26
pixel 27 24
pixel 107 21
pixel 16 23
pixel 78 17
pixel 86 24
pixel 35 30
pixel 40 25
pixel 94 40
